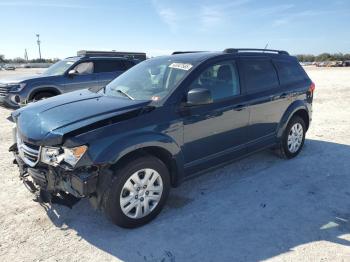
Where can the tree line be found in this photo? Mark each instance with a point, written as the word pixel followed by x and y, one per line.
pixel 302 58
pixel 323 57
pixel 20 60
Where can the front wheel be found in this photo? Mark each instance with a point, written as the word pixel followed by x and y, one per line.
pixel 293 138
pixel 138 192
pixel 41 96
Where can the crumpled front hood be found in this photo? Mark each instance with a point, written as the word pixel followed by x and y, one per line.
pixel 45 122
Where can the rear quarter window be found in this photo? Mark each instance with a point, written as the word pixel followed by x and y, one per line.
pixel 289 71
pixel 260 75
pixel 109 66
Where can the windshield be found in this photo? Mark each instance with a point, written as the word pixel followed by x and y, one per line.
pixel 152 79
pixel 58 68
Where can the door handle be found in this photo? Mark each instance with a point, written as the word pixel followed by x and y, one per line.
pixel 214 114
pixel 284 95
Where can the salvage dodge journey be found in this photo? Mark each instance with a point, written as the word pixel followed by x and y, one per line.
pixel 161 122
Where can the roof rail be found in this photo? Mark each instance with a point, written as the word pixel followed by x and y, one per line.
pixel 240 50
pixel 134 55
pixel 185 52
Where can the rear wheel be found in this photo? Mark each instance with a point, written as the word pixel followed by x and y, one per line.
pixel 293 138
pixel 138 192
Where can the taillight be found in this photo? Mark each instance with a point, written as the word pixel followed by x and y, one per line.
pixel 312 88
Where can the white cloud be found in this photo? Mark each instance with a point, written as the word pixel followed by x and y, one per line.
pixel 204 16
pixel 273 10
pixel 279 22
pixel 201 16
pixel 290 17
pixel 210 17
pixel 169 17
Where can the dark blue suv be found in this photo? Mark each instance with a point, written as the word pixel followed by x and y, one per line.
pixel 89 69
pixel 163 121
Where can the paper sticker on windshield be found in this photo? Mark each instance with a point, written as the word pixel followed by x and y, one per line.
pixel 181 66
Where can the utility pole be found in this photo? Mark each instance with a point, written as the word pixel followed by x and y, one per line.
pixel 25 55
pixel 38 42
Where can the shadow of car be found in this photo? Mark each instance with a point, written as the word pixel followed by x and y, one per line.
pixel 251 210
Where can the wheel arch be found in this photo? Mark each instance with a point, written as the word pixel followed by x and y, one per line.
pixel 49 89
pixel 159 145
pixel 298 108
pixel 170 161
pixel 304 115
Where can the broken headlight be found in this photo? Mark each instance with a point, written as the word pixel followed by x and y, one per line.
pixel 59 155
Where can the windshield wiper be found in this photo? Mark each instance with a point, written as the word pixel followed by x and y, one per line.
pixel 124 94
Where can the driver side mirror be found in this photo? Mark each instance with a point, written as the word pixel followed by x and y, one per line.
pixel 72 73
pixel 199 96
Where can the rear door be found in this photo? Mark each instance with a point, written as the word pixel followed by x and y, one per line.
pixel 107 70
pixel 266 99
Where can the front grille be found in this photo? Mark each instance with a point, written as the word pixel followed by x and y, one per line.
pixel 3 91
pixel 29 153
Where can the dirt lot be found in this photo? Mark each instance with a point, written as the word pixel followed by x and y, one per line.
pixel 261 208
pixel 20 72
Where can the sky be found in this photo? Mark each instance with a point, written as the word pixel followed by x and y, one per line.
pixel 161 27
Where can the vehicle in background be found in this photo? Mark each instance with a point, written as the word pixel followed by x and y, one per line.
pixel 334 64
pixel 9 67
pixel 321 64
pixel 306 63
pixel 331 63
pixel 163 121
pixel 89 69
pixel 346 63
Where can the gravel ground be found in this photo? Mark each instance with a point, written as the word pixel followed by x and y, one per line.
pixel 20 72
pixel 260 208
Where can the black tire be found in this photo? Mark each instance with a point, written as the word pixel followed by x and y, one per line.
pixel 283 149
pixel 111 203
pixel 41 96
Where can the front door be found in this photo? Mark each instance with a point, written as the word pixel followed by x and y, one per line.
pixel 217 131
pixel 84 78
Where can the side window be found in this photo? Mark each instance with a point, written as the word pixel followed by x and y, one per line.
pixel 109 66
pixel 85 68
pixel 220 79
pixel 289 71
pixel 260 75
pixel 128 64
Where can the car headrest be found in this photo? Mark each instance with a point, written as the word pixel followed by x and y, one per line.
pixel 224 73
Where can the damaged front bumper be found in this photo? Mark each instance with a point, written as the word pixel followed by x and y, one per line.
pixel 53 180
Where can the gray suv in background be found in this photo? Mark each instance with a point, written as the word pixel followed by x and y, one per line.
pixel 89 69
